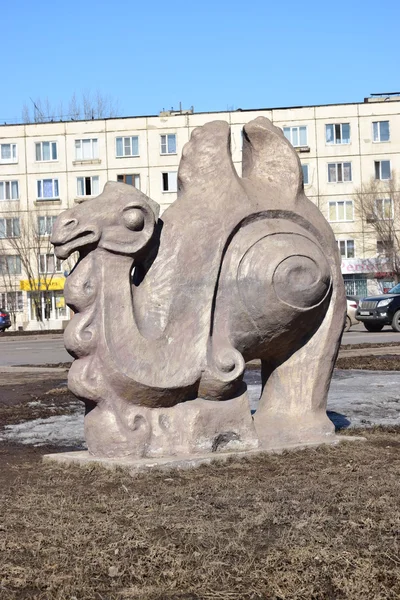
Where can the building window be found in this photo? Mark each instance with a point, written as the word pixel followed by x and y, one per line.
pixel 45 151
pixel 341 210
pixel 9 190
pixel 49 263
pixel 127 146
pixel 355 285
pixel 45 225
pixel 12 301
pixel 47 188
pixel 385 248
pixel 382 169
pixel 169 181
pixel 130 180
pixel 168 144
pixel 10 264
pixel 383 209
pixel 297 136
pixel 337 133
pixel 380 131
pixel 346 248
pixel 86 149
pixel 88 186
pixel 9 228
pixel 8 153
pixel 304 168
pixel 339 172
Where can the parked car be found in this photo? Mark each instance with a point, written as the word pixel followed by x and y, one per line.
pixel 377 311
pixel 351 312
pixel 5 320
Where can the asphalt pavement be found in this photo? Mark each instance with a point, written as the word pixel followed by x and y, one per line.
pixel 49 349
pixel 32 350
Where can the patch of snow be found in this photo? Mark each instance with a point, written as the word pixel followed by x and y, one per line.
pixel 356 398
pixel 61 430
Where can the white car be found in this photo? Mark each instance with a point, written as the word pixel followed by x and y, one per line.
pixel 351 313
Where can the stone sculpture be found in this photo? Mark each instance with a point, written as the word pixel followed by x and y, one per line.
pixel 168 311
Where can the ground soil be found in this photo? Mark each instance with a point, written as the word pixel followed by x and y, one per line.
pixel 385 362
pixel 320 524
pixel 315 524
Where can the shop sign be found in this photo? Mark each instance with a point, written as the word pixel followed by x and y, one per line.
pixel 376 266
pixel 44 284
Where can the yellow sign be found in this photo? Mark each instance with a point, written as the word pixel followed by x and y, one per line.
pixel 45 284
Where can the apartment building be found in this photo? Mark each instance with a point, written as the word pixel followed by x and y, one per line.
pixel 48 167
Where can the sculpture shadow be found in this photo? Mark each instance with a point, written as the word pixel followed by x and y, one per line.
pixel 340 421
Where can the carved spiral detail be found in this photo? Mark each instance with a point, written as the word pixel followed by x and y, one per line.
pixel 81 293
pixel 299 281
pixel 229 364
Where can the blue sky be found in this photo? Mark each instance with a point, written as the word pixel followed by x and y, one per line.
pixel 214 55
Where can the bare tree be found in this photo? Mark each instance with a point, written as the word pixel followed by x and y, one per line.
pixel 377 203
pixel 30 240
pixel 9 284
pixel 91 106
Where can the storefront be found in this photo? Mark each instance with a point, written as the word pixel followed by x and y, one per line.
pixel 366 276
pixel 46 303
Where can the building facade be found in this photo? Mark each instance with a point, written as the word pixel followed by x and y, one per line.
pixel 48 167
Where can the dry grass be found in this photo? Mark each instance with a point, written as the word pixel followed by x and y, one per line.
pixel 385 362
pixel 316 524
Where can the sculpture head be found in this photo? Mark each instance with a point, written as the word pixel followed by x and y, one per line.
pixel 120 220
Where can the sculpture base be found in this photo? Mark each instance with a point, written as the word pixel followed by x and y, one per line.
pixel 139 465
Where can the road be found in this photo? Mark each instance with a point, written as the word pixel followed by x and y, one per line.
pixel 359 335
pixel 49 349
pixel 32 350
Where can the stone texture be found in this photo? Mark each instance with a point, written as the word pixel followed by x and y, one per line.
pixel 168 310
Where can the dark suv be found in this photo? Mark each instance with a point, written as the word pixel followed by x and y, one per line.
pixel 377 311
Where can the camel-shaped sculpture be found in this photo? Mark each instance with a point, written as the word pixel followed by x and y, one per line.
pixel 168 311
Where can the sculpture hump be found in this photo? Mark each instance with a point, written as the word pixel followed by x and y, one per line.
pixel 269 158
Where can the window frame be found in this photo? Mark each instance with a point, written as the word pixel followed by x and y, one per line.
pixel 336 203
pixel 379 162
pixel 91 177
pixel 342 169
pixel 306 166
pixel 14 154
pixel 57 263
pixel 123 138
pixel 54 185
pixel 291 128
pixel 345 241
pixel 337 141
pixel 17 263
pixel 94 155
pixel 3 184
pixel 380 214
pixel 380 141
pixel 12 224
pixel 52 145
pixel 168 173
pixel 17 306
pixel 134 175
pixel 167 136
pixel 47 231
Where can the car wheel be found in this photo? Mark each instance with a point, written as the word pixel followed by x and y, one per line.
pixel 347 325
pixel 396 321
pixel 373 327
